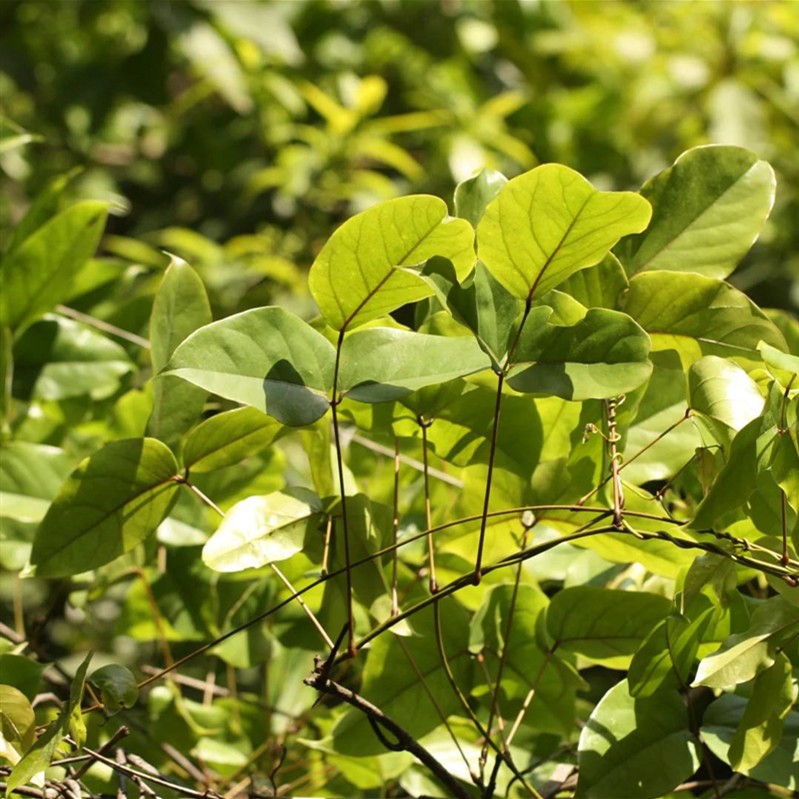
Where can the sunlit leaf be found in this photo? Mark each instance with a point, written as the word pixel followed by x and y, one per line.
pixel 708 209
pixel 358 276
pixel 549 223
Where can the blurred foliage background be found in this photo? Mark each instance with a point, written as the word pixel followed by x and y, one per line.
pixel 238 133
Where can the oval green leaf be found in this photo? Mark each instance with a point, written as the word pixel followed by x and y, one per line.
pixel 551 222
pixel 117 685
pixel 57 358
pixel 39 273
pixel 384 364
pixel 604 355
pixel 266 358
pixel 108 505
pixel 358 274
pixel 261 530
pixel 227 438
pixel 708 209
pixel 635 747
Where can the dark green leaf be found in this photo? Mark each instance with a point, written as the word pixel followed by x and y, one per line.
pixel 117 686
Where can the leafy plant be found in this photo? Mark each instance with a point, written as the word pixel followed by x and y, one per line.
pixel 539 538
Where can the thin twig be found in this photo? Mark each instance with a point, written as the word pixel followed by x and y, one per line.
pixel 104 326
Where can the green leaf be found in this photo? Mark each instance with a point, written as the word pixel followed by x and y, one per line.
pixel 266 358
pixel 109 504
pixel 38 757
pixel 180 307
pixel 393 685
pixel 761 725
pixel 117 685
pixel 724 394
pixel 481 303
pixel 473 195
pixel 696 316
pixel 261 530
pixel 604 625
pixel 780 767
pixel 784 368
pixel 39 273
pixel 57 358
pixel 666 657
pixel 750 453
pixel 635 747
pixel 229 437
pixel 598 286
pixel 744 655
pixel 525 665
pixel 549 223
pixel 22 673
pixel 30 475
pixel 604 355
pixel 383 364
pixel 708 209
pixel 785 465
pixel 17 719
pixel 359 274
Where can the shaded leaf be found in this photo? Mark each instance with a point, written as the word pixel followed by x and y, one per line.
pixel 57 358
pixel 549 223
pixel 266 358
pixel 180 307
pixel 761 725
pixel 707 211
pixel 30 475
pixel 473 195
pixel 358 276
pixel 784 368
pixel 604 625
pixel 635 747
pixel 603 355
pixel 117 685
pixel 108 505
pixel 39 273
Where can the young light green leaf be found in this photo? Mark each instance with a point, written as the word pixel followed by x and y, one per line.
pixel 180 307
pixel 744 655
pixel 760 728
pixel 635 747
pixel 266 358
pixel 358 274
pixel 697 316
pixel 473 195
pixel 57 358
pixel 383 364
pixel 109 504
pixel 724 394
pixel 603 355
pixel 604 625
pixel 551 222
pixel 39 273
pixel 599 286
pixel 261 530
pixel 117 685
pixel 708 209
pixel 229 437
